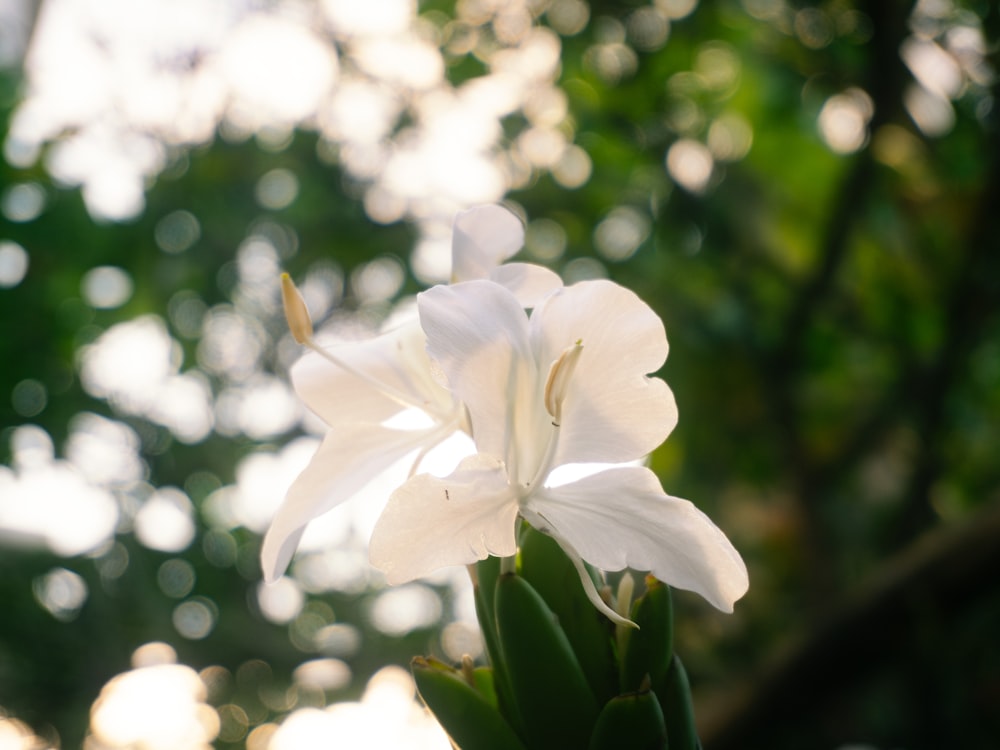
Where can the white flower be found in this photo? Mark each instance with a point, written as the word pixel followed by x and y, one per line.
pixel 356 388
pixel 567 385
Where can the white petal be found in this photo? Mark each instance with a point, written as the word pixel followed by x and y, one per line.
pixel 613 412
pixel 621 518
pixel 345 462
pixel 396 359
pixel 529 283
pixel 477 332
pixel 482 239
pixel 430 523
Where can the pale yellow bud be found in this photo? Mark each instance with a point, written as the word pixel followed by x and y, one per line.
pixel 296 313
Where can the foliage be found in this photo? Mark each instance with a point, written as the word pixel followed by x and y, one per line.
pixel 834 324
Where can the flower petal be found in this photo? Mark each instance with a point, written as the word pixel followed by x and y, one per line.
pixel 482 238
pixel 621 518
pixel 430 523
pixel 345 462
pixel 613 412
pixel 396 359
pixel 477 332
pixel 526 281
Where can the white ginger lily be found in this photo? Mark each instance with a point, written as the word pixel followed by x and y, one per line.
pixel 355 388
pixel 566 385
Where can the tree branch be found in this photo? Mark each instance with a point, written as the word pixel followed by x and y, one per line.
pixel 947 569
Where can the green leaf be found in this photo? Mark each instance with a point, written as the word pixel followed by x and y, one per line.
pixel 487 571
pixel 548 685
pixel 545 566
pixel 633 721
pixel 470 719
pixel 674 692
pixel 648 650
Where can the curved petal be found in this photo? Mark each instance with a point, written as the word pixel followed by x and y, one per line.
pixel 529 283
pixel 430 523
pixel 396 359
pixel 345 462
pixel 482 238
pixel 612 412
pixel 621 518
pixel 477 332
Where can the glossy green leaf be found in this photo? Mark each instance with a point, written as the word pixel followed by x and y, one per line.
pixel 648 650
pixel 630 722
pixel 548 685
pixel 545 566
pixel 674 692
pixel 471 720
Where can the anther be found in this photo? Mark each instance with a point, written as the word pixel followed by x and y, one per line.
pixel 296 313
pixel 558 380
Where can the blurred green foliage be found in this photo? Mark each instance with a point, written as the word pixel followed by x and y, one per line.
pixel 835 329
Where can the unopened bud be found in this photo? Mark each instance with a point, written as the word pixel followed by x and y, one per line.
pixel 623 601
pixel 296 313
pixel 469 670
pixel 558 381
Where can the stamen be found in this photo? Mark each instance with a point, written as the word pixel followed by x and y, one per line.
pixel 555 394
pixel 558 380
pixel 296 312
pixel 300 325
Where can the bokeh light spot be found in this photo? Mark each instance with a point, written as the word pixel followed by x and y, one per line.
pixel 13 264
pixel 325 674
pixel 843 121
pixel 814 28
pixel 106 287
pixel 676 9
pixel 584 269
pixel 233 723
pixel 277 189
pixel 165 522
pixel 459 639
pixel 399 610
pixel 378 280
pixel 545 239
pixel 621 233
pixel 647 28
pixel 281 601
pixel 730 137
pixel 568 17
pixel 690 164
pixel 176 578
pixel 62 592
pixel 195 618
pixel 177 231
pixel 156 707
pixel 387 716
pixel 29 398
pixel 22 203
pixel 573 168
